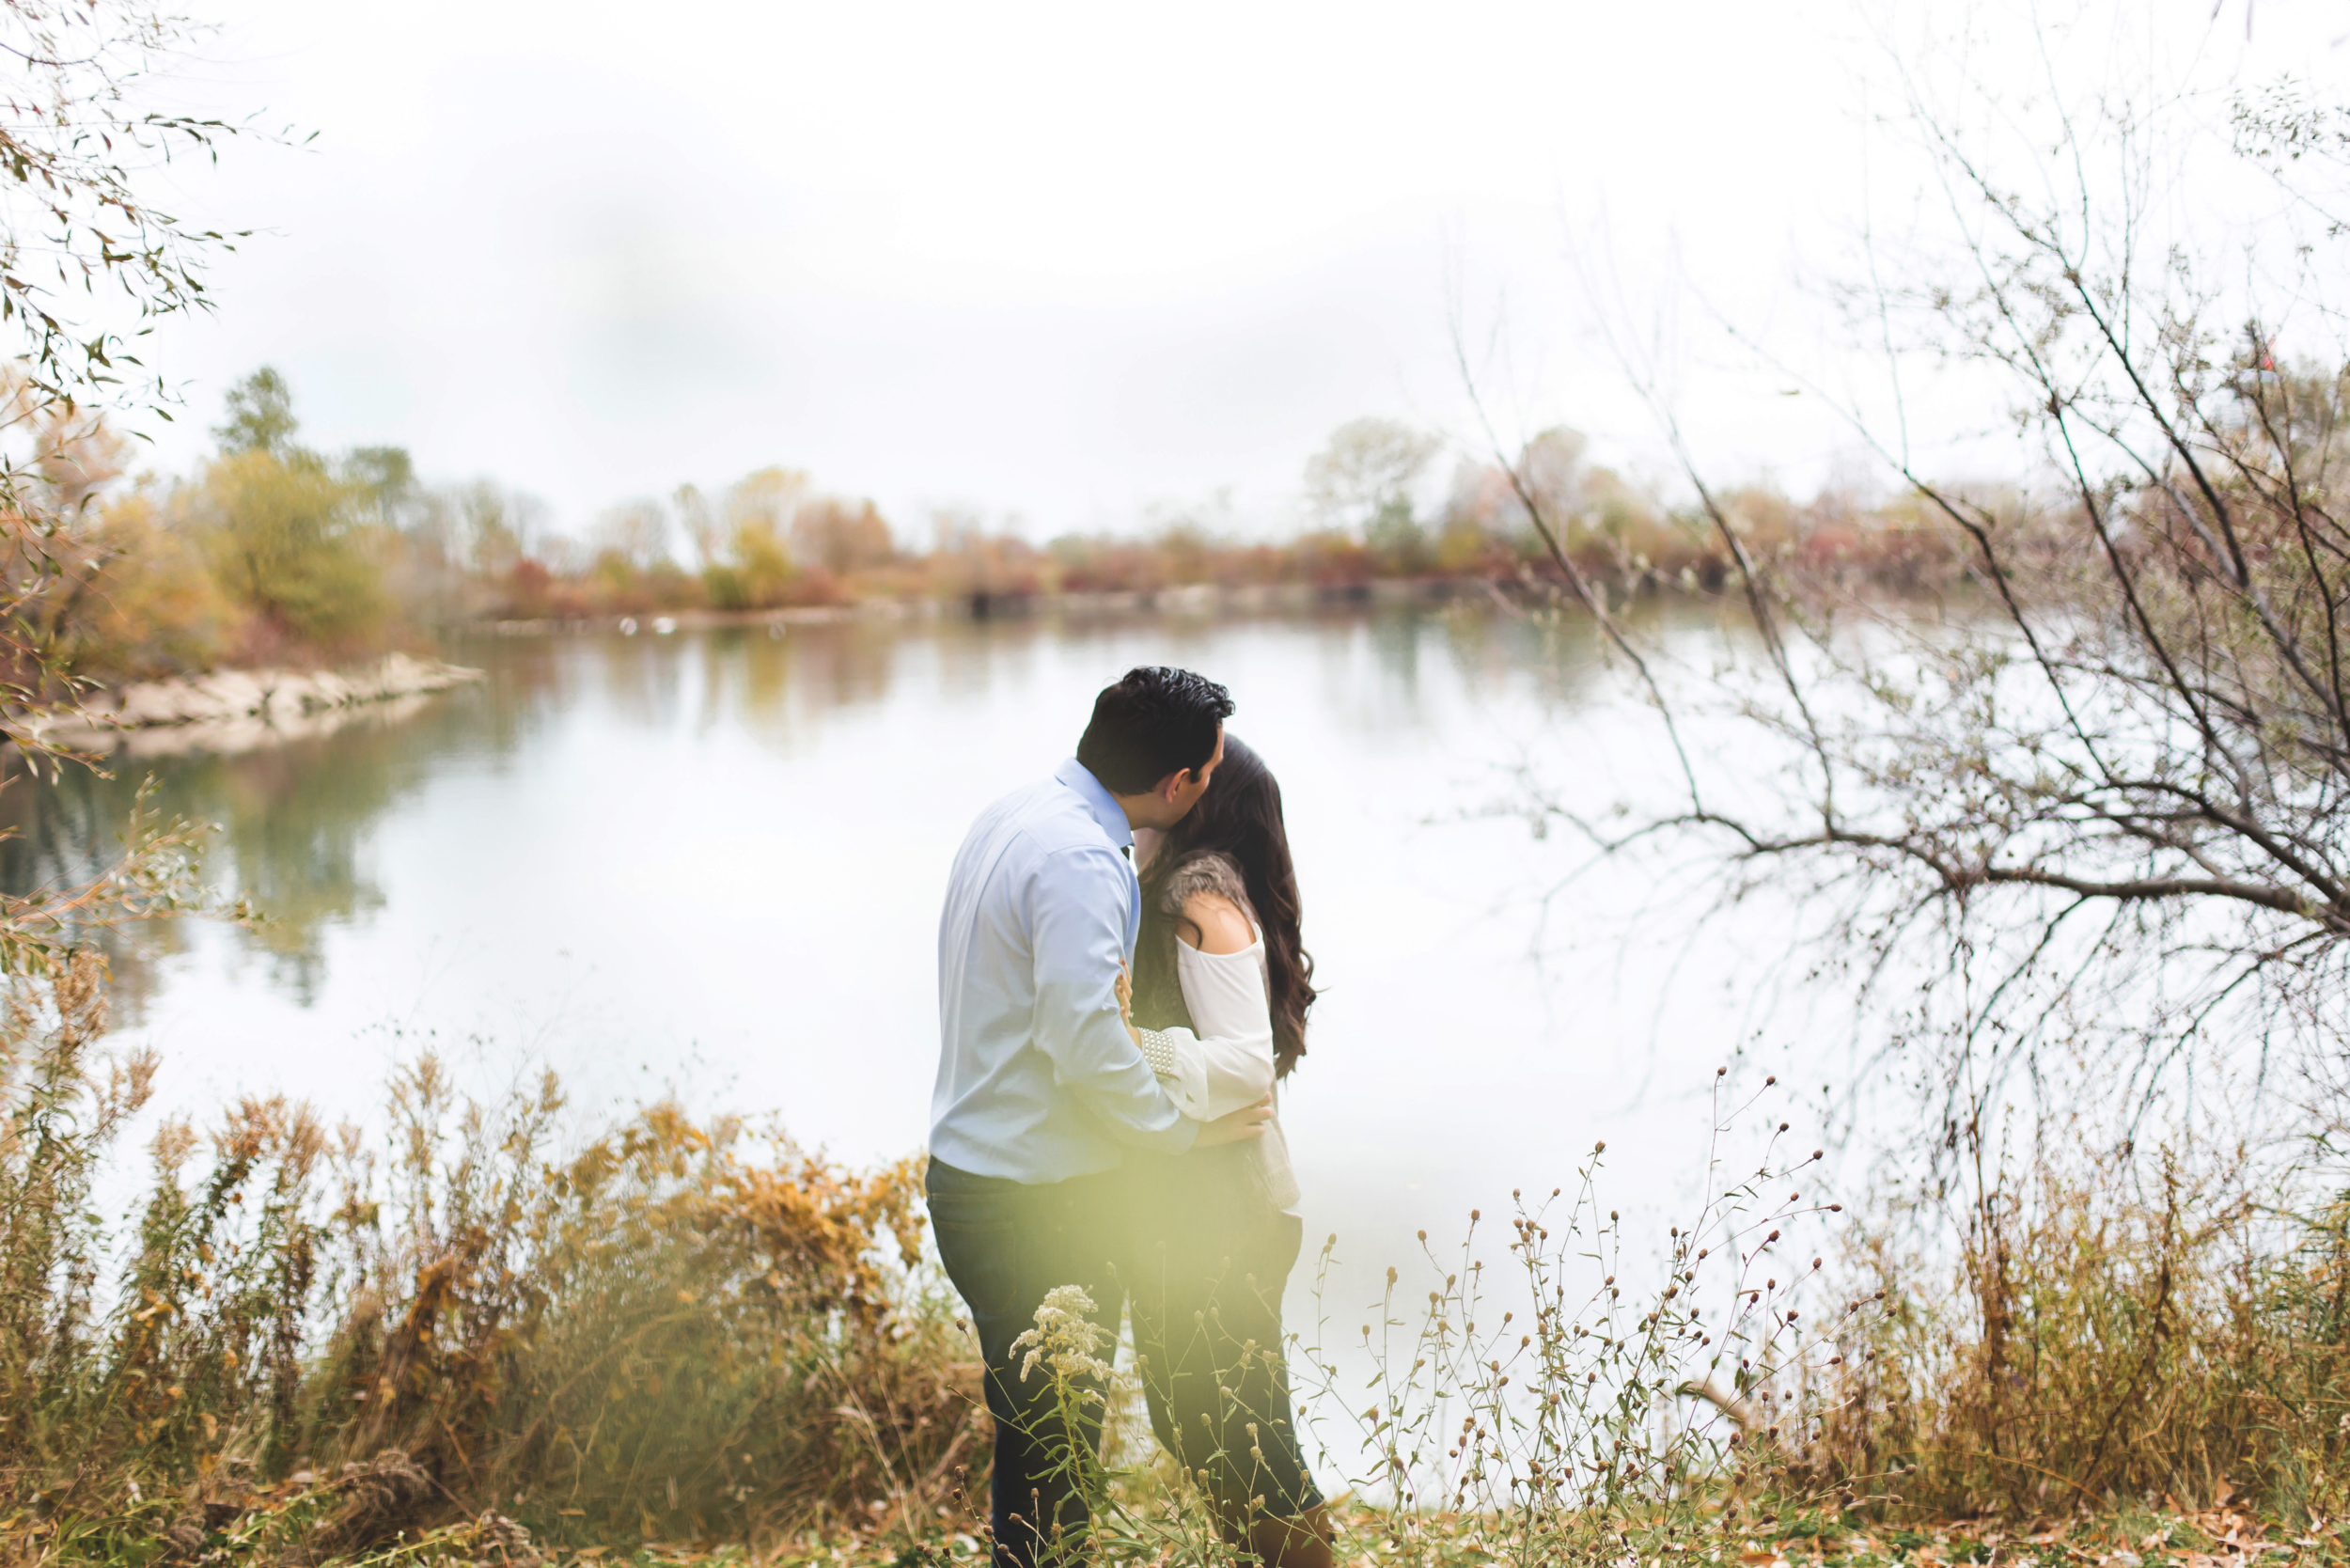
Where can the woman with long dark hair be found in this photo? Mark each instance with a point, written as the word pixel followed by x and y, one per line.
pixel 1221 966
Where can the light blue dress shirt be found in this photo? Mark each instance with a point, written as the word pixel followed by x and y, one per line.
pixel 1038 1079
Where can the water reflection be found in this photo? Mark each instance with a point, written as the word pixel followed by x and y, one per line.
pixel 295 819
pixel 292 821
pixel 298 821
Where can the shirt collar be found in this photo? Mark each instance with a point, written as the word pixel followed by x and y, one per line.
pixel 1098 800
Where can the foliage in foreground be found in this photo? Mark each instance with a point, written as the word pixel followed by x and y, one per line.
pixel 2104 1334
pixel 468 1343
pixel 312 1343
pixel 1763 1531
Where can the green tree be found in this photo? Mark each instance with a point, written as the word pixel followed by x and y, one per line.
pixel 385 476
pixel 281 536
pixel 1361 482
pixel 260 416
pixel 749 560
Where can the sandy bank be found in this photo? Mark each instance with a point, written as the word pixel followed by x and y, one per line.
pixel 234 710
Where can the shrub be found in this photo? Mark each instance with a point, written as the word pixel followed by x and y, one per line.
pixel 666 1330
pixel 283 544
pixel 151 607
pixel 2096 1341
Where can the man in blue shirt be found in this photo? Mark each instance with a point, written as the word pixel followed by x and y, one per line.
pixel 1042 1087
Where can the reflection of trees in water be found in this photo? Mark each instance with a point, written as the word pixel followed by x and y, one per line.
pixel 296 820
pixel 527 689
pixel 640 676
pixel 1395 645
pixel 976 656
pixel 293 820
pixel 1560 654
pixel 766 682
pixel 841 667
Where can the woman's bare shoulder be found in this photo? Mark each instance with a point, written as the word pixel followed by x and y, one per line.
pixel 1214 924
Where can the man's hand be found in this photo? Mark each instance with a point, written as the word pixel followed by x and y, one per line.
pixel 1126 990
pixel 1239 1127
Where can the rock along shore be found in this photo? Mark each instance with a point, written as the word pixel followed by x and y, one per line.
pixel 244 705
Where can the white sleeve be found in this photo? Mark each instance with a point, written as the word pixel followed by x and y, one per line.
pixel 1228 1062
pixel 1176 1060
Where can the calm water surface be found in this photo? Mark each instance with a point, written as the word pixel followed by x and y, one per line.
pixel 711 865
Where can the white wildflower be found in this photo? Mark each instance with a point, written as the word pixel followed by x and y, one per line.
pixel 1065 1336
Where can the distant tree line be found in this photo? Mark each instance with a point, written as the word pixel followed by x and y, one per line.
pixel 272 550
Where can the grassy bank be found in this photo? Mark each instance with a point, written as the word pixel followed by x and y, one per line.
pixel 476 1332
pixel 1769 1534
pixel 1772 1534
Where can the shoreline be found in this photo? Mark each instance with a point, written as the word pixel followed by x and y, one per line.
pixel 234 710
pixel 1193 599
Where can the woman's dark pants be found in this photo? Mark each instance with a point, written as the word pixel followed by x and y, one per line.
pixel 1005 1245
pixel 1205 1270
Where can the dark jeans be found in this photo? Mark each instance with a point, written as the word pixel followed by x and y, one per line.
pixel 1208 1260
pixel 1006 1245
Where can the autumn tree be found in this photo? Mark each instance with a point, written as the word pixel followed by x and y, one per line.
pixel 842 536
pixel 2096 797
pixel 1361 482
pixel 87 264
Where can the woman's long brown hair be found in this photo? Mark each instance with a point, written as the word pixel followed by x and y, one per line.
pixel 1239 817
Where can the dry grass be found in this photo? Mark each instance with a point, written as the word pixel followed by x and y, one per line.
pixel 321 1340
pixel 464 1338
pixel 2102 1335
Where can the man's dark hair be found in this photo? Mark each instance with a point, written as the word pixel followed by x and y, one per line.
pixel 1150 722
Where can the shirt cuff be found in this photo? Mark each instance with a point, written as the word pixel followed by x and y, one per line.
pixel 1158 1049
pixel 1176 1061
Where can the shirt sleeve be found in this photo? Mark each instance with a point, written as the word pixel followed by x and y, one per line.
pixel 1175 1056
pixel 1081 897
pixel 1227 1063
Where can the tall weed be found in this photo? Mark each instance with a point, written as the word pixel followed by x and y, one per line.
pixel 668 1329
pixel 2101 1335
pixel 1570 1402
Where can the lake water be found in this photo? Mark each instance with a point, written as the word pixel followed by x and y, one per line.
pixel 711 865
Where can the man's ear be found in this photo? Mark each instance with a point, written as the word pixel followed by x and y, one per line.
pixel 1170 784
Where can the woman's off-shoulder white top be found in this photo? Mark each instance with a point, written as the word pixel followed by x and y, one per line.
pixel 1225 1061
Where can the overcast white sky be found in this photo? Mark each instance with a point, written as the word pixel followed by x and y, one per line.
pixel 1069 262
